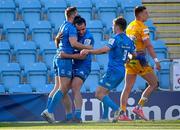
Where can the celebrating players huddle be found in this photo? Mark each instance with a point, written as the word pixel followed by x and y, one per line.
pixel 72 65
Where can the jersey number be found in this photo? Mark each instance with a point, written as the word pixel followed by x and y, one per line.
pixel 125 55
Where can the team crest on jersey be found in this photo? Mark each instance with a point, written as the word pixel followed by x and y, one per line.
pixel 111 41
pixel 69 73
pixel 87 41
pixel 62 71
pixel 81 72
pixel 146 31
pixel 108 84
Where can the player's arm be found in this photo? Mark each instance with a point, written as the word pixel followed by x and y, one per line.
pixel 74 43
pixel 149 47
pixel 97 51
pixel 57 39
pixel 72 56
pixel 73 40
pixel 152 53
pixel 111 44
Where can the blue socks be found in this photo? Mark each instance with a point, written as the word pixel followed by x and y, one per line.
pixel 78 114
pixel 107 101
pixel 48 101
pixel 105 112
pixel 69 116
pixel 55 100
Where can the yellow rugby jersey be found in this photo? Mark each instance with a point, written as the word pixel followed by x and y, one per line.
pixel 138 32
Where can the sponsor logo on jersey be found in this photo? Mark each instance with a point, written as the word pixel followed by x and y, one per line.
pixel 111 41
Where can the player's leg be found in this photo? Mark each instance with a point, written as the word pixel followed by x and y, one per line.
pixel 80 75
pixel 56 87
pixel 63 89
pixel 76 86
pixel 57 97
pixel 129 82
pixel 64 71
pixel 102 95
pixel 68 108
pixel 153 83
pixel 105 113
pixel 110 80
pixel 66 100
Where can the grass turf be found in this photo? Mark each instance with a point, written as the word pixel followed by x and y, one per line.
pixel 133 125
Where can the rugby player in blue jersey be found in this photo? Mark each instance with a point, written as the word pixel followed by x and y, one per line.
pixel 62 66
pixel 118 47
pixel 81 65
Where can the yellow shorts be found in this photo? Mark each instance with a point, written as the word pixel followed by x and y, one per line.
pixel 134 67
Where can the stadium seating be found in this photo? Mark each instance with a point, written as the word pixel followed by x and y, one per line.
pixel 40 19
pixel 5 52
pixel 55 11
pixel 95 69
pixel 128 8
pixel 107 11
pixel 139 85
pixel 84 7
pixel 11 75
pixel 36 75
pixel 152 29
pixel 129 3
pixel 90 86
pixel 164 76
pixel 48 51
pixel 25 53
pixel 103 61
pixel 120 87
pixel 30 11
pixel 165 14
pixel 15 32
pixel 160 46
pixel 21 88
pixel 2 90
pixel 100 44
pixel 160 49
pixel 47 88
pixel 7 11
pixel 41 32
pixel 96 28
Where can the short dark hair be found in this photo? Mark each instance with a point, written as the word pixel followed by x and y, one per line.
pixel 70 11
pixel 79 20
pixel 121 22
pixel 139 9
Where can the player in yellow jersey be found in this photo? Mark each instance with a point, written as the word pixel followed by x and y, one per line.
pixel 138 65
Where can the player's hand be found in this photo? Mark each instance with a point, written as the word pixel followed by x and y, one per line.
pixel 81 56
pixel 59 36
pixel 158 66
pixel 89 47
pixel 84 52
pixel 61 54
